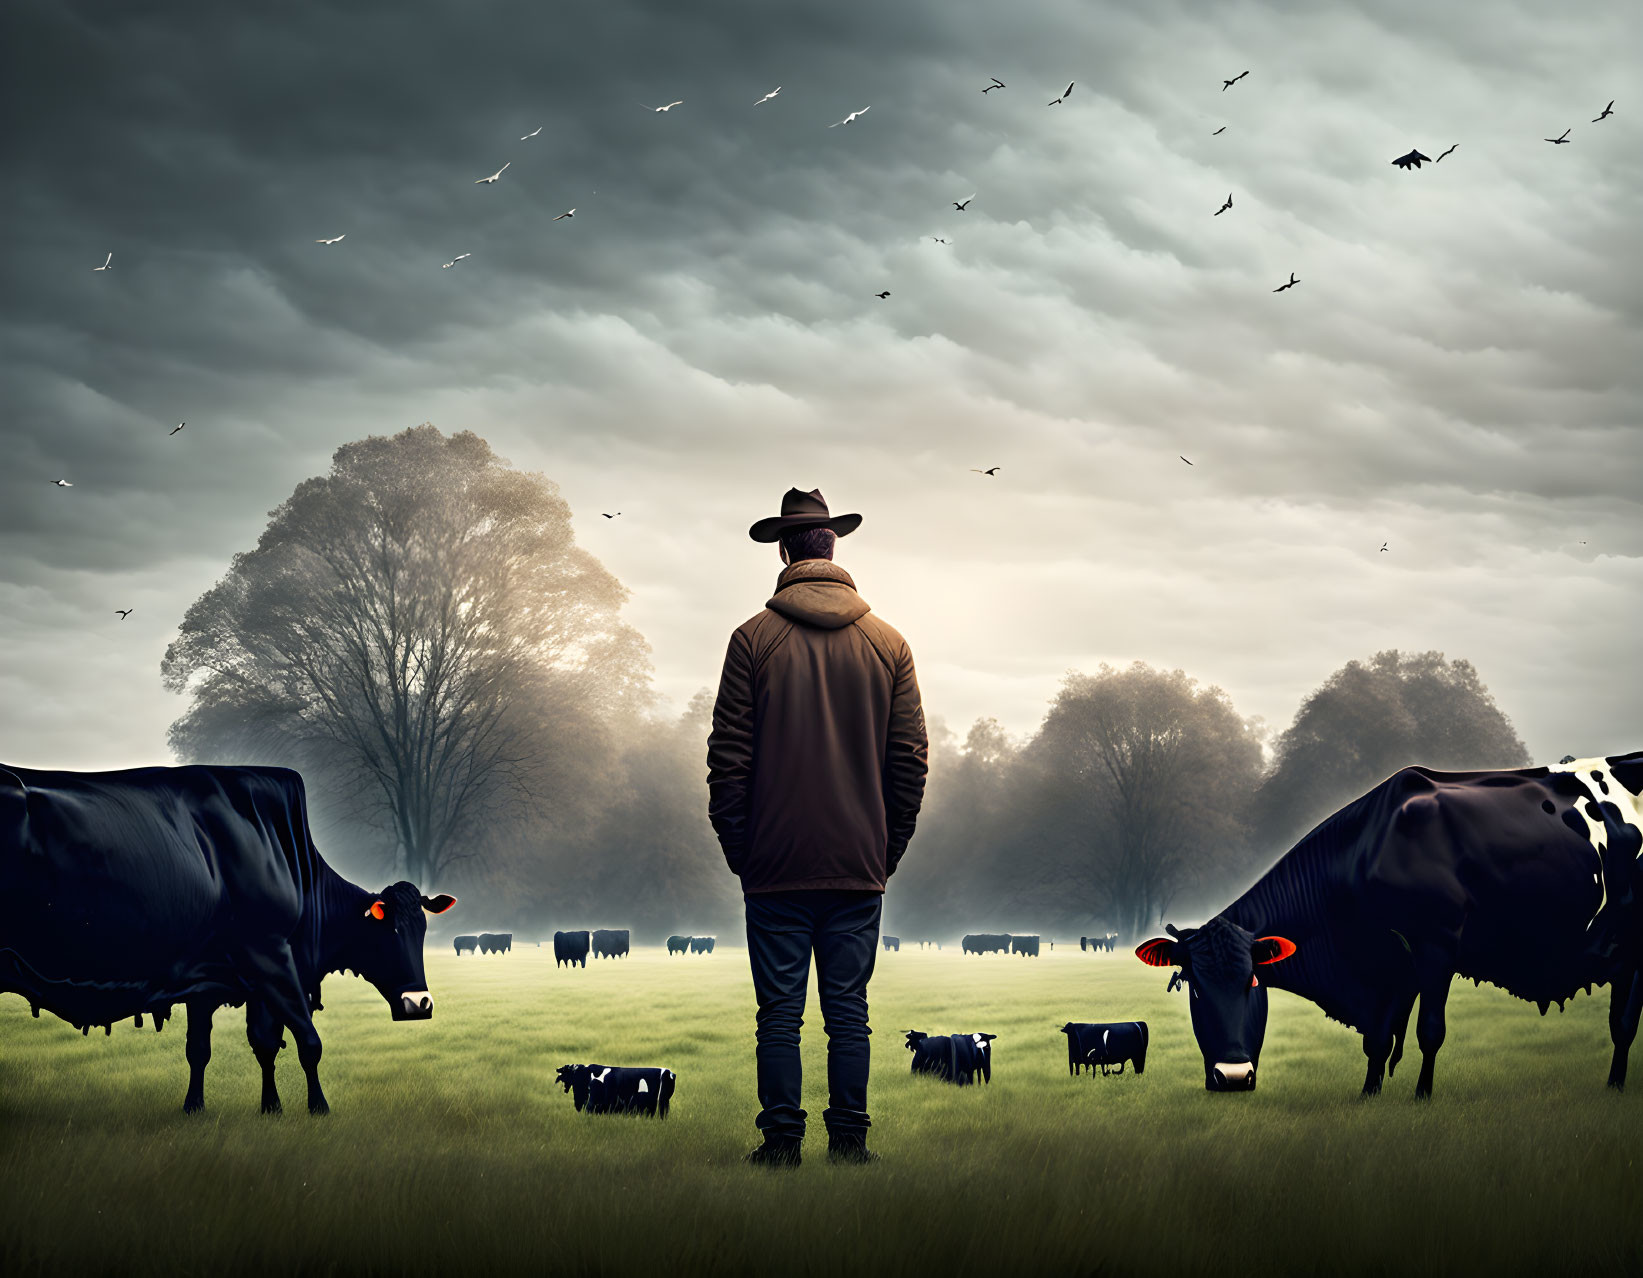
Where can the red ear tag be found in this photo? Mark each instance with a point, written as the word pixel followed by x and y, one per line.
pixel 376 911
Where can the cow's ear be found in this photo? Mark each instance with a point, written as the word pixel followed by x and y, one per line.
pixel 1157 952
pixel 376 910
pixel 438 904
pixel 1270 949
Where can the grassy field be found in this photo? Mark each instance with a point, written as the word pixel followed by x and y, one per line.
pixel 450 1151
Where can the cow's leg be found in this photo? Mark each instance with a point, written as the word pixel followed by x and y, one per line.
pixel 198 1052
pixel 1429 1025
pixel 276 981
pixel 1378 1042
pixel 1625 1009
pixel 262 1031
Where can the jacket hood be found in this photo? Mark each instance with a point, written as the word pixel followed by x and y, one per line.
pixel 817 592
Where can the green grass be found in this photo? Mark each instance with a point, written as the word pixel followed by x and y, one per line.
pixel 450 1151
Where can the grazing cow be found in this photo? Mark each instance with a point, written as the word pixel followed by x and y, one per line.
pixel 1430 875
pixel 495 942
pixel 987 943
pixel 1110 940
pixel 469 943
pixel 701 944
pixel 610 942
pixel 956 1058
pixel 1106 1044
pixel 130 891
pixel 678 944
pixel 614 1089
pixel 892 943
pixel 1024 945
pixel 571 947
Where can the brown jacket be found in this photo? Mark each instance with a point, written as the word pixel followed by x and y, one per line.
pixel 818 752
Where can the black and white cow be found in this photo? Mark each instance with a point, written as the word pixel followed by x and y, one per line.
pixel 892 943
pixel 987 943
pixel 468 943
pixel 495 942
pixel 127 892
pixel 678 945
pixel 1428 876
pixel 955 1058
pixel 609 942
pixel 571 947
pixel 615 1089
pixel 701 944
pixel 1027 945
pixel 1107 1044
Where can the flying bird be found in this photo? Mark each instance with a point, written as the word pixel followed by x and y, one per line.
pixel 1413 160
pixel 1446 153
pixel 996 84
pixel 1225 206
pixel 62 483
pixel 338 240
pixel 1562 139
pixel 570 213
pixel 1178 454
pixel 991 470
pixel 1068 90
pixel 938 239
pixel 883 295
pixel 445 266
pixel 608 516
pixel 493 176
pixel 850 119
pixel 761 102
pixel 961 206
pixel 1218 132
pixel 529 136
pixel 176 428
pixel 1607 111
pixel 1227 84
pixel 104 266
pixel 1383 545
pixel 124 612
pixel 668 107
pixel 1292 283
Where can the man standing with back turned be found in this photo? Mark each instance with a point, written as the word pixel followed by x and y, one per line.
pixel 816 767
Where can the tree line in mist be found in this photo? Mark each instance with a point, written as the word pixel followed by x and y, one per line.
pixel 419 634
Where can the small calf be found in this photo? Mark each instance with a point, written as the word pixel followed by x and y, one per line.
pixel 955 1058
pixel 614 1089
pixel 1107 1044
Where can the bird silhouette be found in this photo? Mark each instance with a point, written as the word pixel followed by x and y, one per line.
pixel 668 107
pixel 962 205
pixel 529 136
pixel 62 483
pixel 570 213
pixel 337 240
pixel 608 516
pixel 124 612
pixel 177 428
pixel 938 239
pixel 1227 84
pixel 1562 139
pixel 991 470
pixel 1413 160
pixel 445 266
pixel 996 84
pixel 768 96
pixel 1183 459
pixel 493 177
pixel 1383 545
pixel 1064 93
pixel 883 295
pixel 1218 132
pixel 104 266
pixel 1607 111
pixel 1225 206
pixel 851 118
pixel 1292 283
pixel 1446 153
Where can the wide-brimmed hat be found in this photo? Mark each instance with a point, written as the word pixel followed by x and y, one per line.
pixel 799 512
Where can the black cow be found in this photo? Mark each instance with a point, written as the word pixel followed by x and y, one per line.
pixel 1024 945
pixel 614 1089
pixel 892 943
pixel 495 942
pixel 1106 1044
pixel 987 943
pixel 956 1058
pixel 1110 940
pixel 469 943
pixel 609 942
pixel 1430 875
pixel 701 944
pixel 127 892
pixel 678 945
pixel 571 947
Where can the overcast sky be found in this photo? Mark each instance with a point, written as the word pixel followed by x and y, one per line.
pixel 1458 373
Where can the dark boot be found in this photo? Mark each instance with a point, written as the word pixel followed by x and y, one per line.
pixel 777 1151
pixel 849 1147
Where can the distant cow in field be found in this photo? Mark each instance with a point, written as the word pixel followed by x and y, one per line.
pixel 1024 945
pixel 609 942
pixel 955 1058
pixel 932 944
pixel 678 945
pixel 614 1089
pixel 1106 1045
pixel 495 942
pixel 571 947
pixel 1529 878
pixel 701 944
pixel 892 943
pixel 466 943
pixel 987 943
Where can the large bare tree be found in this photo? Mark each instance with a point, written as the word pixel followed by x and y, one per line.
pixel 407 622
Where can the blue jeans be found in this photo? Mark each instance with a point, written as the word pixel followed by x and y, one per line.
pixel 783 930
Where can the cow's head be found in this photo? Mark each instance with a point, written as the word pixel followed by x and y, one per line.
pixel 574 1078
pixel 386 947
pixel 1219 963
pixel 914 1038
